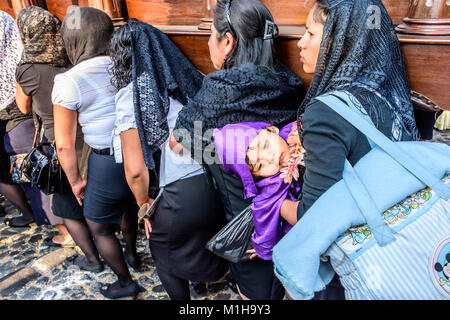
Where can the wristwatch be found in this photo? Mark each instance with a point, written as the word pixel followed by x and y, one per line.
pixel 146 210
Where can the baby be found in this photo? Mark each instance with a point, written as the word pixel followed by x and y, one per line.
pixel 269 153
pixel 266 160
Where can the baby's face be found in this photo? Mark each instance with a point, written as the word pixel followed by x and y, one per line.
pixel 266 153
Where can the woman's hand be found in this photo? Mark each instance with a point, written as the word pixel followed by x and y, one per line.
pixel 148 227
pixel 175 146
pixel 78 189
pixel 252 253
pixel 147 222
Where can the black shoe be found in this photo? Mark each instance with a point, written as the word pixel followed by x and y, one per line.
pixel 2 211
pixel 199 287
pixel 84 264
pixel 67 243
pixel 132 261
pixel 231 282
pixel 116 291
pixel 12 222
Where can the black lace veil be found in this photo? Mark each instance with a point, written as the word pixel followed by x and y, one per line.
pixel 160 70
pixel 360 52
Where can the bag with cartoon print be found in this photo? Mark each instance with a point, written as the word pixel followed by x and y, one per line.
pixel 387 230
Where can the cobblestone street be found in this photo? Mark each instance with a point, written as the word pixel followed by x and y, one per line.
pixel 31 270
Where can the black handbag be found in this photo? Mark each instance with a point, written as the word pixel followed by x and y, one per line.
pixel 42 168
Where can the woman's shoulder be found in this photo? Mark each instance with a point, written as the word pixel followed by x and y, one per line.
pixel 44 71
pixel 321 119
pixel 317 111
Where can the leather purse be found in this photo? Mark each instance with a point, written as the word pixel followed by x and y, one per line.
pixel 42 168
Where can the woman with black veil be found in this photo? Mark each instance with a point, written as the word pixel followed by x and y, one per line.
pixel 155 80
pixel 350 46
pixel 250 84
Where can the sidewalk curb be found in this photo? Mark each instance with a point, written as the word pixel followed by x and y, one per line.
pixel 44 264
pixel 18 279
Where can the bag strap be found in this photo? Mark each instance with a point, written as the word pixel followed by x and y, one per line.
pixel 39 130
pixel 381 232
pixel 340 102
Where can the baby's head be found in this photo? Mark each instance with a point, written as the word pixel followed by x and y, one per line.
pixel 267 153
pixel 252 151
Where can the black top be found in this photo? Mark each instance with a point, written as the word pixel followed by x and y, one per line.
pixel 36 80
pixel 328 140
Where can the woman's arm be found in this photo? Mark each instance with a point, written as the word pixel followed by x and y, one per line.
pixel 136 171
pixel 328 140
pixel 289 211
pixel 23 101
pixel 65 136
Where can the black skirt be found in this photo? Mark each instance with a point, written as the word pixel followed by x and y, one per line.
pixel 65 205
pixel 189 214
pixel 107 194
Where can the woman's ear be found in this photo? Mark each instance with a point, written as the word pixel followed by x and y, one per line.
pixel 228 41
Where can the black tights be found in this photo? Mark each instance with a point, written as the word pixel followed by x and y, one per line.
pixel 15 194
pixel 177 288
pixel 109 246
pixel 80 233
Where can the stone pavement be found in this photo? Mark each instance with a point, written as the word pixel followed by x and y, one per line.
pixel 31 270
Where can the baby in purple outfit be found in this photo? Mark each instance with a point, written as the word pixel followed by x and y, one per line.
pixel 257 153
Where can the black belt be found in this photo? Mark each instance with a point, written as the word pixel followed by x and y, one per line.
pixel 103 152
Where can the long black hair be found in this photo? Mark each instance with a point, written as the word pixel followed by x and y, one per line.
pixel 121 53
pixel 246 21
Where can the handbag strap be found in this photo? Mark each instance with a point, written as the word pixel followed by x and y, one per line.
pixel 340 102
pixel 39 130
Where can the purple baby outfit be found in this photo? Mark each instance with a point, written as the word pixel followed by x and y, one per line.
pixel 232 142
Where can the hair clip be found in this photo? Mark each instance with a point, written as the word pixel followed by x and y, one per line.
pixel 271 30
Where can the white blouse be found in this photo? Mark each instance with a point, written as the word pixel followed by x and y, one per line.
pixel 173 166
pixel 87 89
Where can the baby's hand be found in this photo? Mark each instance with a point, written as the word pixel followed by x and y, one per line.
pixel 293 138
